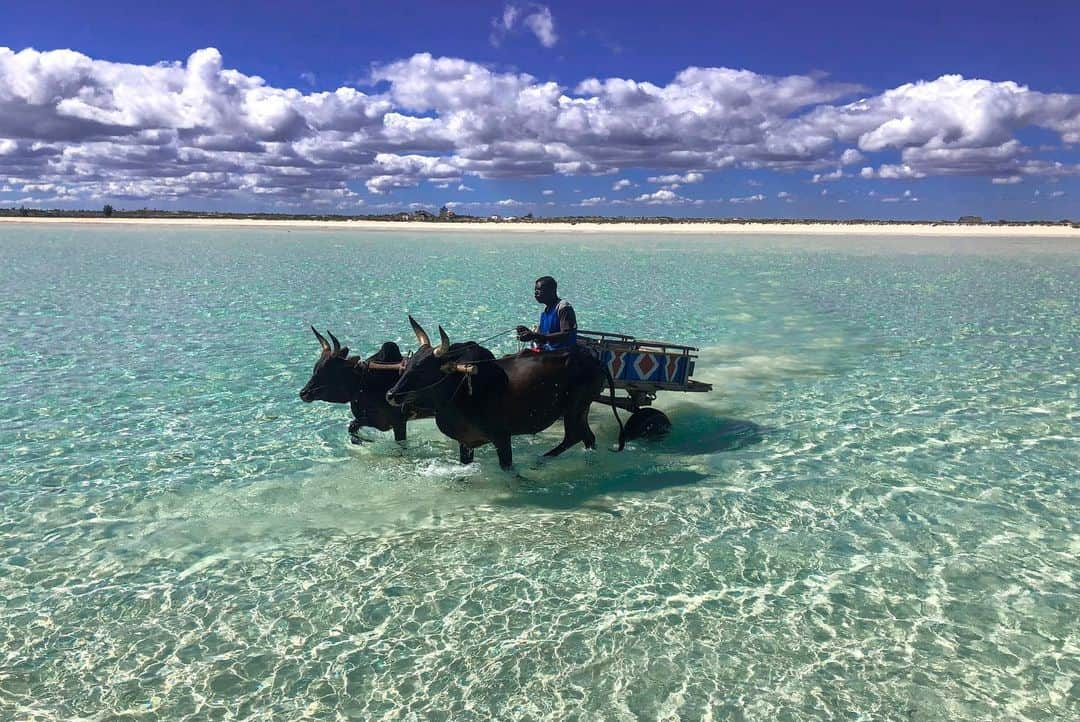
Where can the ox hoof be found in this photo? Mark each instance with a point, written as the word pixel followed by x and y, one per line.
pixel 648 424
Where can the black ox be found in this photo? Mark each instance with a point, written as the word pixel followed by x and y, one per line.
pixel 361 383
pixel 479 399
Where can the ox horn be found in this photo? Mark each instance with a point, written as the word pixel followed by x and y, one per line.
pixel 421 334
pixel 444 343
pixel 322 341
pixel 337 346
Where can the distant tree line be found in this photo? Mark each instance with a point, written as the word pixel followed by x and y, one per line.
pixel 446 215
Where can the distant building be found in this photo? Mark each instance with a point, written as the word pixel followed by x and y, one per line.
pixel 971 220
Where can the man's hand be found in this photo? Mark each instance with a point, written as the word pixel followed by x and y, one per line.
pixel 525 334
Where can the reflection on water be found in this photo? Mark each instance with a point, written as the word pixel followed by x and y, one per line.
pixel 873 516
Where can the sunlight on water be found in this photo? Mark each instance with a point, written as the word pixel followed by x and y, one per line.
pixel 873 516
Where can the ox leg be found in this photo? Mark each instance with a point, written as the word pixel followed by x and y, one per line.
pixel 506 454
pixel 399 430
pixel 571 435
pixel 575 429
pixel 354 432
pixel 355 424
pixel 587 402
pixel 588 436
pixel 465 454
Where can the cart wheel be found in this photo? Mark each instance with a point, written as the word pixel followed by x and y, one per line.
pixel 647 423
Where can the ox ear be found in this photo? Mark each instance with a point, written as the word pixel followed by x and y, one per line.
pixel 444 343
pixel 421 334
pixel 322 341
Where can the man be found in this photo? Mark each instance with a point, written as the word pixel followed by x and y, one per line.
pixel 558 323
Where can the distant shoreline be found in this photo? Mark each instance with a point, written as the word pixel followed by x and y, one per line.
pixel 695 228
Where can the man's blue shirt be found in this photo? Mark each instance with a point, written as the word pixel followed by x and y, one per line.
pixel 556 318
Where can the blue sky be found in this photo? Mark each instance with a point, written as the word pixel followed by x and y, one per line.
pixel 455 108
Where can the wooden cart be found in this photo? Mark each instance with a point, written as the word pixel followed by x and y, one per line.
pixel 641 369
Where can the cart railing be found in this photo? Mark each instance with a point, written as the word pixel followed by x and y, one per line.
pixel 617 339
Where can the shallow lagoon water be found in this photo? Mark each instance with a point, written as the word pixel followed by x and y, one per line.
pixel 873 516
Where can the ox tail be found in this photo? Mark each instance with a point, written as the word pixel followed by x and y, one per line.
pixel 614 408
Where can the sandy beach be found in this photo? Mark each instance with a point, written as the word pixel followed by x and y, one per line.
pixel 825 229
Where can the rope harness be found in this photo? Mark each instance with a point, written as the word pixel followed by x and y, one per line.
pixel 411 395
pixel 466 375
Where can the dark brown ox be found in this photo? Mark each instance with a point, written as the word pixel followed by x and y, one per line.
pixel 479 399
pixel 360 383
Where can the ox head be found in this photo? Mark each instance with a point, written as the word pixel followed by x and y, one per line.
pixel 334 378
pixel 428 372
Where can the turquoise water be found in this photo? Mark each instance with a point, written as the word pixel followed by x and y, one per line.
pixel 873 516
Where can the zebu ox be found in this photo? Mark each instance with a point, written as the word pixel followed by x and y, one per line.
pixel 479 399
pixel 360 383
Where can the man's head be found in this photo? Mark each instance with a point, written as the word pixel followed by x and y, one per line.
pixel 546 291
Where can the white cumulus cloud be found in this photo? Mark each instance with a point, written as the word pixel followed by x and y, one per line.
pixel 196 129
pixel 543 26
pixel 535 18
pixel 824 177
pixel 676 179
pixel 756 198
pixel 660 197
pixel 850 157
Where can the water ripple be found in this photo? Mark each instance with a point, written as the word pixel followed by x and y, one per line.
pixel 874 516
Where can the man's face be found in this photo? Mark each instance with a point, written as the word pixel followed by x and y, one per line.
pixel 543 293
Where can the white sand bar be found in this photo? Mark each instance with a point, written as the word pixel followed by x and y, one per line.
pixel 803 229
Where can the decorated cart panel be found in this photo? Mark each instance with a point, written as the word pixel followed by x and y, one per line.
pixel 641 368
pixel 639 365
